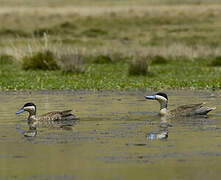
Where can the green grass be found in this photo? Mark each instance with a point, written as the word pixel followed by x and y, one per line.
pixel 182 40
pixel 216 61
pixel 176 74
pixel 40 60
pixel 139 66
pixel 6 59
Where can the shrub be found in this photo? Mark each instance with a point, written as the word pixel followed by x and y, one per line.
pixel 158 60
pixel 41 60
pixel 6 59
pixel 139 66
pixel 101 59
pixel 216 61
pixel 72 63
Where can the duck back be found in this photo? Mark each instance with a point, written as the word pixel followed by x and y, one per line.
pixel 191 110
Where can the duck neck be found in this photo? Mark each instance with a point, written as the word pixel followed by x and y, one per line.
pixel 32 116
pixel 163 108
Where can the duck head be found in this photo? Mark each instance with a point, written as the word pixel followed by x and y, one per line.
pixel 162 99
pixel 29 107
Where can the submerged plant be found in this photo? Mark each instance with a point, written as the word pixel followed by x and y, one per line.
pixel 139 66
pixel 45 60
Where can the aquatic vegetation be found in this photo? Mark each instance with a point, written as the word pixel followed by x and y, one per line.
pixel 41 60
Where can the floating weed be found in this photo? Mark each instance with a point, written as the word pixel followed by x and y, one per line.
pixel 41 60
pixel 216 61
pixel 139 66
pixel 72 63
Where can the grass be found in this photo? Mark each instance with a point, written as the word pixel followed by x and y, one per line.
pixel 216 61
pixel 6 59
pixel 41 60
pixel 158 60
pixel 139 66
pixel 100 59
pixel 178 73
pixel 182 40
pixel 72 63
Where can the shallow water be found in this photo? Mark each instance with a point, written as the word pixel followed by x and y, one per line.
pixel 109 142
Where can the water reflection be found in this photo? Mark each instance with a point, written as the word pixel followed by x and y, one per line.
pixel 163 132
pixel 110 138
pixel 30 132
pixel 201 122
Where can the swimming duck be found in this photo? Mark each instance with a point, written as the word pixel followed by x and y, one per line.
pixel 51 119
pixel 185 110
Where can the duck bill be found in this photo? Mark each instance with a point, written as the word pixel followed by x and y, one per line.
pixel 20 111
pixel 150 97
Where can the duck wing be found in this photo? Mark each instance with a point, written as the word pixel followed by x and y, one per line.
pixel 58 116
pixel 191 109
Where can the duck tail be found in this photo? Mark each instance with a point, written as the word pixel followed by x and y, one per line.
pixel 208 109
pixel 212 108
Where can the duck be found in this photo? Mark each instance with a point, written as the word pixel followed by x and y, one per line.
pixel 185 110
pixel 61 119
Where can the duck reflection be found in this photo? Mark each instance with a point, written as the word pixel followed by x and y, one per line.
pixel 31 132
pixel 163 132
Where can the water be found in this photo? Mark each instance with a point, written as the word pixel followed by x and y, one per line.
pixel 110 142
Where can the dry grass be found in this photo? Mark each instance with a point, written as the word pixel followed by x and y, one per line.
pixel 45 60
pixel 173 50
pixel 55 3
pixel 139 66
pixel 186 29
pixel 72 63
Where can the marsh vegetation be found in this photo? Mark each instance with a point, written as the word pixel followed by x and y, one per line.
pixel 81 45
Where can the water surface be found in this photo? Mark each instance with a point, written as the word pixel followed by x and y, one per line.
pixel 109 142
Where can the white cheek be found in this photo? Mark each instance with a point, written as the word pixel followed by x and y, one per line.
pixel 29 108
pixel 161 98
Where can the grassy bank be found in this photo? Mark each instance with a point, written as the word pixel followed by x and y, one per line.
pixel 186 34
pixel 174 74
